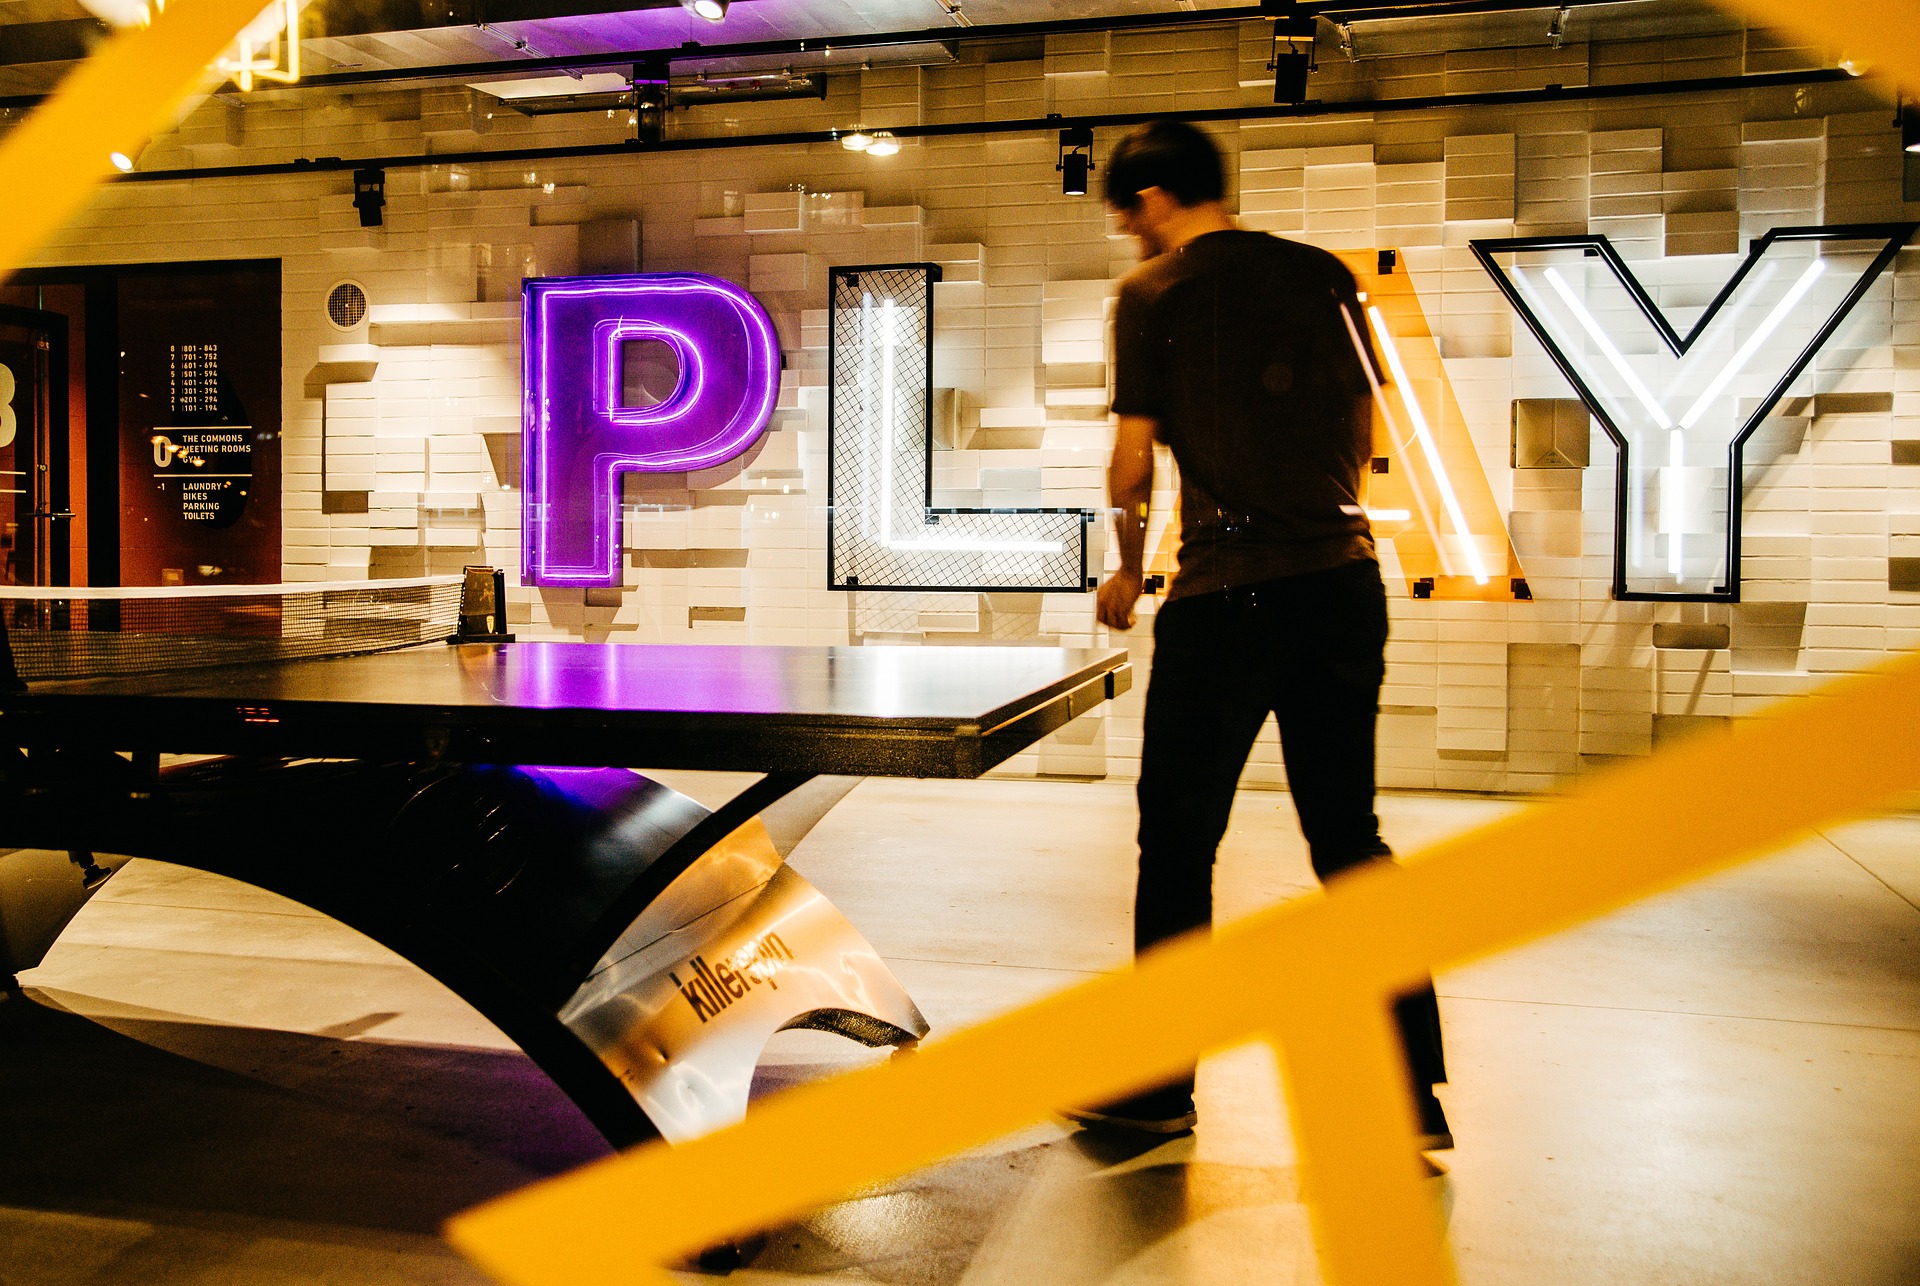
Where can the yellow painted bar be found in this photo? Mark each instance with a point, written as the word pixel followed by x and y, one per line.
pixel 1627 834
pixel 1373 1219
pixel 1879 33
pixel 602 1224
pixel 111 102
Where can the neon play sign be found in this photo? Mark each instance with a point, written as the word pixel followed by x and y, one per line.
pixel 581 432
pixel 883 531
pixel 1680 408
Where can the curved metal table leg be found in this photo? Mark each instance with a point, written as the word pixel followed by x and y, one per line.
pixel 40 893
pixel 639 947
pixel 682 1011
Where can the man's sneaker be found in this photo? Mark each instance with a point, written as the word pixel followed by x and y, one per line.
pixel 1167 1111
pixel 1435 1136
pixel 1172 1127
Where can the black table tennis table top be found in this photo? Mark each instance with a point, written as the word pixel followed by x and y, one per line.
pixel 889 711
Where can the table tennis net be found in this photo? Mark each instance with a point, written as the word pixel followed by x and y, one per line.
pixel 66 633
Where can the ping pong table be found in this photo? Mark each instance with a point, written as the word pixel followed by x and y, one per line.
pixel 475 808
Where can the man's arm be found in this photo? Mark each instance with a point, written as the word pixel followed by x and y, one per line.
pixel 1129 490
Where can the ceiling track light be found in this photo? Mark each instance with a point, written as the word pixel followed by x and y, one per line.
pixel 369 195
pixel 1290 72
pixel 711 10
pixel 1557 29
pixel 1293 27
pixel 650 101
pixel 519 46
pixel 127 159
pixel 1076 159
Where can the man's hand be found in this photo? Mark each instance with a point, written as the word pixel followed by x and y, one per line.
pixel 1118 594
pixel 1130 489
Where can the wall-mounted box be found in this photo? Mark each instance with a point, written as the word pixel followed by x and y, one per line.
pixel 1551 433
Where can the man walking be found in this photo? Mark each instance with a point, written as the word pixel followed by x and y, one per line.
pixel 1231 348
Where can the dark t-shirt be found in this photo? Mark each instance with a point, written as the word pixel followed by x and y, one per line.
pixel 1235 345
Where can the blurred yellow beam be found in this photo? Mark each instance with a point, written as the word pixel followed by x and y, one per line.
pixel 112 102
pixel 1882 34
pixel 1311 975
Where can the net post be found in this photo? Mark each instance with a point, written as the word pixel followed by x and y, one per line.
pixel 483 607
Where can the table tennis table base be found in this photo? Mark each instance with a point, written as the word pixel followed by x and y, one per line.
pixel 639 947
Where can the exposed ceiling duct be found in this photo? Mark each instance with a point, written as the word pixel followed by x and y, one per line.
pixel 766 48
pixel 611 92
pixel 366 42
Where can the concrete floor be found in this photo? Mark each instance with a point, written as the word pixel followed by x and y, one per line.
pixel 1719 1086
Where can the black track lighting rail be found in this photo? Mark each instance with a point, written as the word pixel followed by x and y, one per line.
pixel 962 129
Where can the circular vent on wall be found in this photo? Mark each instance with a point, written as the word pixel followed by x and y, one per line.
pixel 347 305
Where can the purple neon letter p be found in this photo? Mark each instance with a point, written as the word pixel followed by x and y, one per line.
pixel 579 437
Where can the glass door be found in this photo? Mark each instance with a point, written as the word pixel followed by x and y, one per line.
pixel 33 447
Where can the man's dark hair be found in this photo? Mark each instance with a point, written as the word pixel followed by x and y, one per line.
pixel 1178 158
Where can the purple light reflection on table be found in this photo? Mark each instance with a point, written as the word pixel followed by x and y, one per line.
pixel 904 683
pixel 601 789
pixel 566 676
pixel 578 439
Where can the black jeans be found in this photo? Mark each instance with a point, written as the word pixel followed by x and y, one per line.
pixel 1310 650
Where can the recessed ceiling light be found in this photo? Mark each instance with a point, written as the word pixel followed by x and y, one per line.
pixel 121 162
pixel 858 141
pixel 711 10
pixel 884 144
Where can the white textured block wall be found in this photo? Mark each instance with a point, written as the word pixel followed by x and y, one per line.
pixel 420 414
